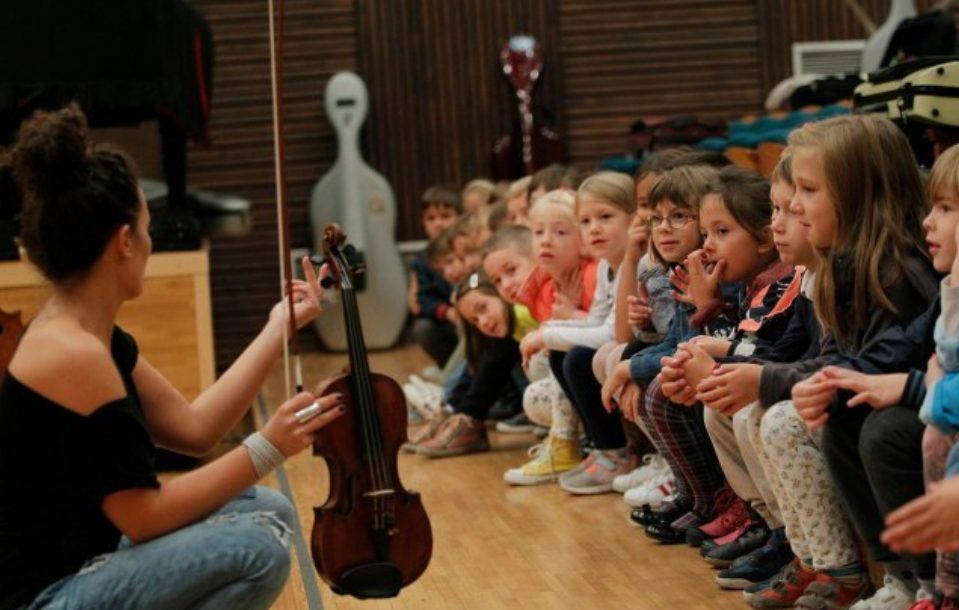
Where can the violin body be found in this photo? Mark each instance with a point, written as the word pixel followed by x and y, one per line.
pixel 341 538
pixel 371 537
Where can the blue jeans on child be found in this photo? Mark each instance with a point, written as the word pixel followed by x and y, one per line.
pixel 238 557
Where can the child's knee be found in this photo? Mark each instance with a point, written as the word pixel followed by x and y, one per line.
pixel 777 425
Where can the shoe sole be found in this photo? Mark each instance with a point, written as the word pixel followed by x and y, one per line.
pixel 586 491
pixel 736 584
pixel 527 480
pixel 719 563
pixel 442 453
pixel 501 427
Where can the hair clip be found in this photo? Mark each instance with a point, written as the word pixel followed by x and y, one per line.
pixel 473 282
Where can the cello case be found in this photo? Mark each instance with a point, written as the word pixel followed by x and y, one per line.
pixel 361 201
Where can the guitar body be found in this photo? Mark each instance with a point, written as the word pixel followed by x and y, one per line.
pixel 361 201
pixel 530 146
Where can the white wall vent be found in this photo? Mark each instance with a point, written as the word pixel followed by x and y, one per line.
pixel 827 57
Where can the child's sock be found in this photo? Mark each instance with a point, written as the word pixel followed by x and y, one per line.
pixel 851 574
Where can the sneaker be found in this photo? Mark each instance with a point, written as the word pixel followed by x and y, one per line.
pixel 754 535
pixel 713 543
pixel 653 465
pixel 551 458
pixel 735 516
pixel 427 432
pixel 653 492
pixel 502 410
pixel 459 435
pixel 424 397
pixel 783 590
pixel 893 595
pixel 759 565
pixel 519 423
pixel 432 373
pixel 827 593
pixel 597 478
pixel 645 516
pixel 925 604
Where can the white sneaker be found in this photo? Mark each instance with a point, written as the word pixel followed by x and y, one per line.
pixel 432 373
pixel 653 492
pixel 893 595
pixel 653 465
pixel 423 396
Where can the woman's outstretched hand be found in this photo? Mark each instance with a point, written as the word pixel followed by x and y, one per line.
pixel 287 433
pixel 307 297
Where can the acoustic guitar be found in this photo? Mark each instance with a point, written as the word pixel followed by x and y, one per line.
pixel 360 200
pixel 531 145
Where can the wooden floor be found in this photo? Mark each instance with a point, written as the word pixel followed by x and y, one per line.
pixel 497 546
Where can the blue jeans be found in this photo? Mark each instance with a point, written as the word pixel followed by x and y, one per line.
pixel 238 557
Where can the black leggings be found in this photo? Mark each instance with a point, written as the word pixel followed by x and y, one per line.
pixel 574 372
pixel 875 457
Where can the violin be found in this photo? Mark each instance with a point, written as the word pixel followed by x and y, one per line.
pixel 371 537
pixel 531 145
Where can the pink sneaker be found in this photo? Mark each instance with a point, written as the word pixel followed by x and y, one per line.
pixel 597 477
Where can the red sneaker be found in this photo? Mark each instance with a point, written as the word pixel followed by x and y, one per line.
pixel 827 593
pixel 785 588
pixel 733 517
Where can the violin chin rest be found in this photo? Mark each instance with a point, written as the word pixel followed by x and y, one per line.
pixel 370 581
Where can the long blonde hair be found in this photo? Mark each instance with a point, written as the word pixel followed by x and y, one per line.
pixel 613 188
pixel 873 180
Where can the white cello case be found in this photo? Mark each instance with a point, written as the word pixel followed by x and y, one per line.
pixel 361 201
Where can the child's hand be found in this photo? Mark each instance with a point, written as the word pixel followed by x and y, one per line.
pixel 451 315
pixel 927 523
pixel 730 388
pixel 531 344
pixel 934 370
pixel 638 311
pixel 629 399
pixel 698 285
pixel 878 391
pixel 811 397
pixel 638 239
pixel 672 378
pixel 698 366
pixel 715 347
pixel 614 385
pixel 563 308
pixel 411 300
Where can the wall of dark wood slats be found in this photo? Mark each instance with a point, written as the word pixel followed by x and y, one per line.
pixel 438 101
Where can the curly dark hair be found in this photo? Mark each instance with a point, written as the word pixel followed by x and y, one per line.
pixel 75 195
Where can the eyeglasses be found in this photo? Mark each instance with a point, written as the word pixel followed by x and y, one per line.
pixel 676 220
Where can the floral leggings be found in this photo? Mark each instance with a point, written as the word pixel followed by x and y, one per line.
pixel 546 404
pixel 812 511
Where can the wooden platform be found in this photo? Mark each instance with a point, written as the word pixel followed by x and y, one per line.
pixel 499 547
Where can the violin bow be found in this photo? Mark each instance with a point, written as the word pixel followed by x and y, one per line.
pixel 290 340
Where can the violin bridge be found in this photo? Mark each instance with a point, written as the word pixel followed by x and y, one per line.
pixel 379 492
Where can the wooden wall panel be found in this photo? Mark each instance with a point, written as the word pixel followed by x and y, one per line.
pixel 623 59
pixel 438 100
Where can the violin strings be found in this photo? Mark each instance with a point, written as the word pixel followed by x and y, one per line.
pixel 372 432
